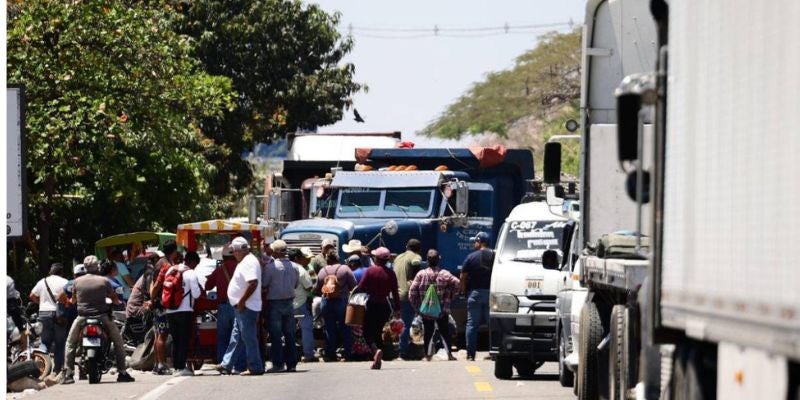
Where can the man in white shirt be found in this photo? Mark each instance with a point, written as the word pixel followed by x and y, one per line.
pixel 54 327
pixel 301 305
pixel 245 296
pixel 180 319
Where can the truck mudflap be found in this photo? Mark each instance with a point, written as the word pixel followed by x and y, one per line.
pixel 530 335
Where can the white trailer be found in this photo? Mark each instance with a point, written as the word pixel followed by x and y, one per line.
pixel 705 146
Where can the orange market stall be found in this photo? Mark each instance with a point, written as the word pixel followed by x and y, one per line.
pixel 193 236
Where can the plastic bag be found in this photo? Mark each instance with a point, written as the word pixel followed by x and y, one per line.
pixel 417 331
pixel 359 299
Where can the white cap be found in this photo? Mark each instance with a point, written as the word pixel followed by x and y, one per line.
pixel 78 270
pixel 278 245
pixel 239 243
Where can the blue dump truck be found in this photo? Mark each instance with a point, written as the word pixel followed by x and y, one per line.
pixel 442 197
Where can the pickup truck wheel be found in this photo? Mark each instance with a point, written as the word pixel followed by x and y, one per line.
pixel 565 376
pixel 526 368
pixel 503 367
pixel 591 334
pixel 616 348
pixel 629 367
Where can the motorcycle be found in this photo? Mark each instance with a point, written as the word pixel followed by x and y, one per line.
pixel 20 351
pixel 96 351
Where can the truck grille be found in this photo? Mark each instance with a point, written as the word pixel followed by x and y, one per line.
pixel 314 244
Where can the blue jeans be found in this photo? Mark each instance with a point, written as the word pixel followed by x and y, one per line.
pixel 407 315
pixel 244 339
pixel 54 338
pixel 307 327
pixel 226 319
pixel 282 325
pixel 333 311
pixel 477 313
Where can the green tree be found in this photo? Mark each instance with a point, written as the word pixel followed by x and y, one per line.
pixel 542 89
pixel 284 58
pixel 114 102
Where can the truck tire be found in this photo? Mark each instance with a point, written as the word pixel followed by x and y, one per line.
pixel 591 335
pixel 21 370
pixel 631 348
pixel 526 368
pixel 503 367
pixel 616 348
pixel 565 376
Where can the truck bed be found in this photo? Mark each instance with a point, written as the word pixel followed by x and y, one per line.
pixel 615 273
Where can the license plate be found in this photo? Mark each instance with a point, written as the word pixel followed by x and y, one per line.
pixel 535 283
pixel 91 342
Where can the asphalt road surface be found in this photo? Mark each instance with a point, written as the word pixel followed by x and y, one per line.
pixel 407 380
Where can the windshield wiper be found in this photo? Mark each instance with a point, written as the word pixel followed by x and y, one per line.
pixel 402 208
pixel 527 259
pixel 358 208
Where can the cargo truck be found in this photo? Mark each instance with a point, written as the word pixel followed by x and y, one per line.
pixel 689 195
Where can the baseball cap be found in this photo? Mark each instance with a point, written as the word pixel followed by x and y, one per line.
pixel 79 269
pixel 91 261
pixel 382 252
pixel 239 243
pixel 482 237
pixel 278 245
pixel 306 251
pixel 354 259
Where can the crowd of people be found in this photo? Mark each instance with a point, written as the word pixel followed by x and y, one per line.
pixel 279 286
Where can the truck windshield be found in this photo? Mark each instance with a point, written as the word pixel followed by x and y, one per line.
pixel 377 203
pixel 526 240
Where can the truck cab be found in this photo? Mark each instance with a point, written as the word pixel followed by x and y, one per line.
pixel 523 291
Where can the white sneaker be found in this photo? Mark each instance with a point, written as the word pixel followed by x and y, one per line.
pixel 186 372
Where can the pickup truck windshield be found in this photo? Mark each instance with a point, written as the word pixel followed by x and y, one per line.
pixel 367 202
pixel 526 240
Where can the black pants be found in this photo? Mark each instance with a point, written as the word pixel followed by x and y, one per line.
pixel 180 327
pixel 443 323
pixel 375 318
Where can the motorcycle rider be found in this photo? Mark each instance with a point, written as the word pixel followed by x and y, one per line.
pixel 90 293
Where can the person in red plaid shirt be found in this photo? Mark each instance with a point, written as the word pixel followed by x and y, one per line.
pixel 446 288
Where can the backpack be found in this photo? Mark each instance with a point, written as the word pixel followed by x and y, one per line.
pixel 431 306
pixel 330 286
pixel 172 290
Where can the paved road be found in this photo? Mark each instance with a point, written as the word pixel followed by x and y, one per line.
pixel 417 380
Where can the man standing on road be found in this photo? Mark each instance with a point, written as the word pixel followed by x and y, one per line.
pixel 90 293
pixel 243 292
pixel 406 266
pixel 181 318
pixel 220 279
pixel 476 274
pixel 54 329
pixel 334 304
pixel 301 304
pixel 379 283
pixel 160 318
pixel 279 281
pixel 445 285
pixel 320 261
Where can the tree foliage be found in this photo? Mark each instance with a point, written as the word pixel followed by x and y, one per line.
pixel 285 61
pixel 114 103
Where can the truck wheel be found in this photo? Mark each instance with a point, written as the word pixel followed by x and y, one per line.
pixel 629 367
pixel 616 348
pixel 565 376
pixel 503 367
pixel 526 368
pixel 591 334
pixel 22 369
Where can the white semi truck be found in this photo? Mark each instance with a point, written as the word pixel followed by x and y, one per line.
pixel 689 197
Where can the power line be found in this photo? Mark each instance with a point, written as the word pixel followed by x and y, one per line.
pixel 436 28
pixel 436 31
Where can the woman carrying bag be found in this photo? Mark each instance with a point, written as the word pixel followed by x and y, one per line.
pixel 430 294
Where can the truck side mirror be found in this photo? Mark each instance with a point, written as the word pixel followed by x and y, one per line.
pixel 275 202
pixel 462 198
pixel 555 196
pixel 550 260
pixel 552 163
pixel 634 91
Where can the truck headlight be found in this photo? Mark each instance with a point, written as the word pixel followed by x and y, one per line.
pixel 503 302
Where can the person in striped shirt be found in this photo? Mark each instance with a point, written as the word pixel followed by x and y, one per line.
pixel 446 288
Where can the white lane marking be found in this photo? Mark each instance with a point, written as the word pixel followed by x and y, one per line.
pixel 163 388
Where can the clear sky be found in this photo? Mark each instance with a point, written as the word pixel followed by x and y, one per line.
pixel 412 80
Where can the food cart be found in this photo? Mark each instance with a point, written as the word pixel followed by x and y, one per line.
pixel 203 346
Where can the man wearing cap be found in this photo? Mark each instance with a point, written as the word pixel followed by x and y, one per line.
pixel 319 261
pixel 299 260
pixel 279 281
pixel 354 247
pixel 168 259
pixel 476 275
pixel 379 282
pixel 406 266
pixel 220 279
pixel 243 294
pixel 334 309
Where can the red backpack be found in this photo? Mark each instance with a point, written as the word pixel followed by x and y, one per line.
pixel 172 290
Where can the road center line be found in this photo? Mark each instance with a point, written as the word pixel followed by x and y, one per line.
pixel 473 369
pixel 483 386
pixel 162 388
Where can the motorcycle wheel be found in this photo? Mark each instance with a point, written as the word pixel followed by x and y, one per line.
pixel 94 370
pixel 44 362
